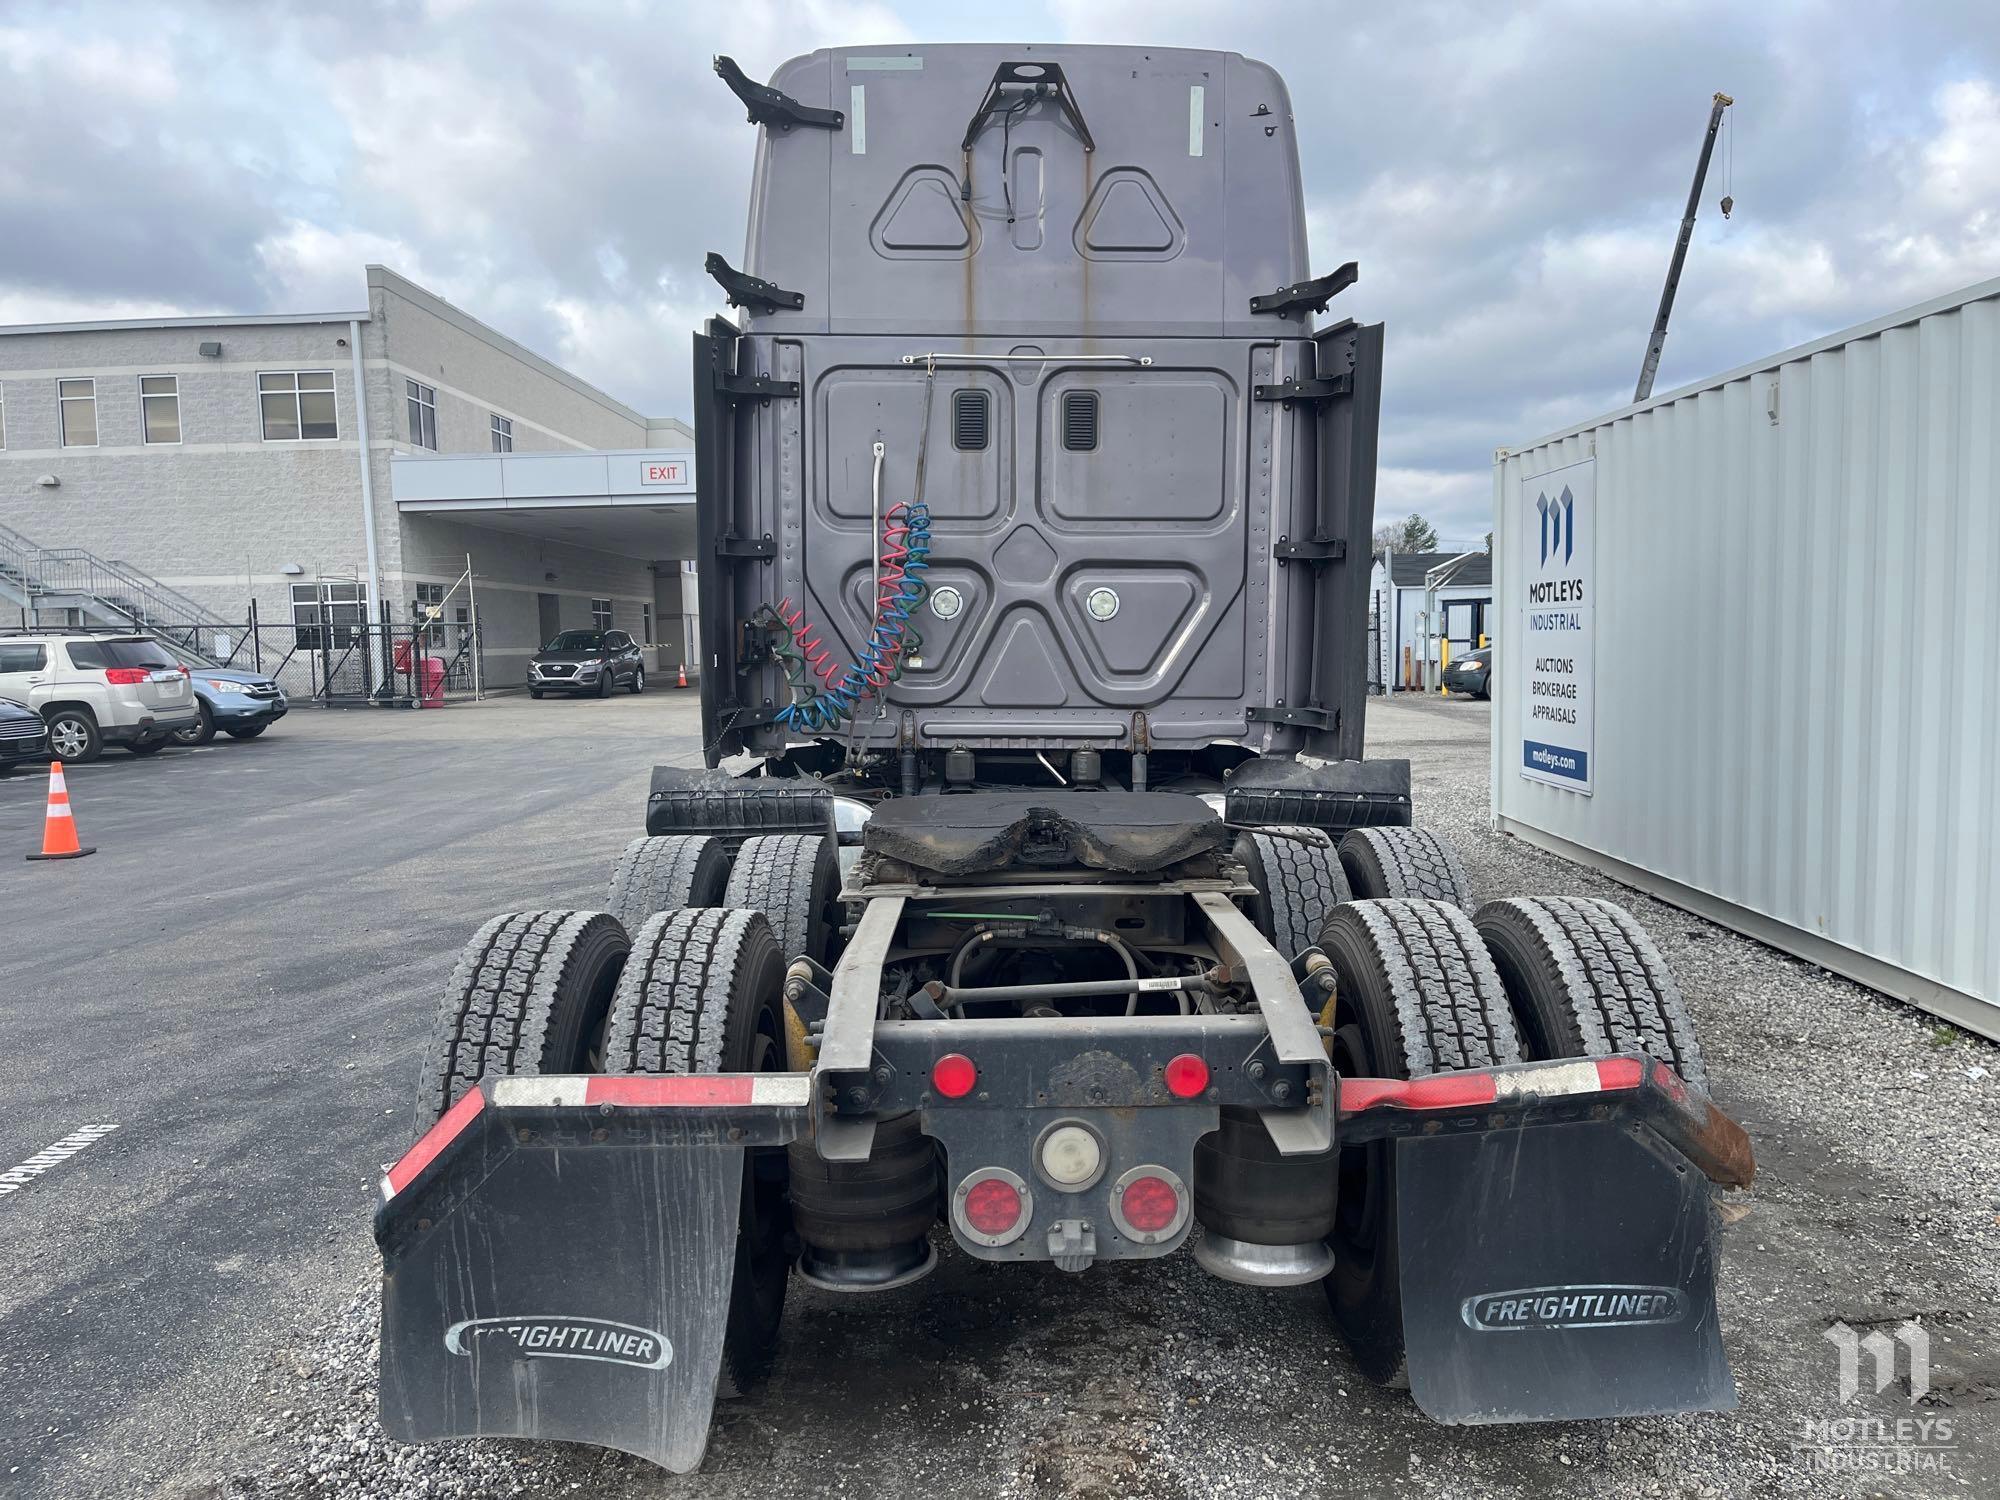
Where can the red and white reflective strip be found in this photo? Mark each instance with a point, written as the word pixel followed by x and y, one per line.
pixel 1458 1090
pixel 696 1089
pixel 778 1090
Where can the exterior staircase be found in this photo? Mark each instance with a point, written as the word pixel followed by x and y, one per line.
pixel 77 587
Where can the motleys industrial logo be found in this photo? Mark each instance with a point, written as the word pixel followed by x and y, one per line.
pixel 554 1336
pixel 1541 1307
pixel 1898 1444
pixel 1557 554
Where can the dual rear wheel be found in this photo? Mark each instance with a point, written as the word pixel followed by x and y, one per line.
pixel 684 975
pixel 1427 984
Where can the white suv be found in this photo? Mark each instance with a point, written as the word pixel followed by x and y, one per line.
pixel 97 688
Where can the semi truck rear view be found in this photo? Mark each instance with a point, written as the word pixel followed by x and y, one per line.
pixel 1036 902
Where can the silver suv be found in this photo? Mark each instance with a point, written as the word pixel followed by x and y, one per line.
pixel 97 688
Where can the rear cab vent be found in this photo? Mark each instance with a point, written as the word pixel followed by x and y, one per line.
pixel 1079 421
pixel 970 420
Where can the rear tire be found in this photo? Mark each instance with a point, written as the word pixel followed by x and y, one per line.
pixel 1586 981
pixel 794 879
pixel 536 694
pixel 249 732
pixel 73 737
pixel 667 873
pixel 1418 995
pixel 147 747
pixel 1299 881
pixel 201 731
pixel 604 683
pixel 529 996
pixel 1403 864
pixel 702 995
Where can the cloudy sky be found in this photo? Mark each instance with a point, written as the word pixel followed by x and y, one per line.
pixel 1509 176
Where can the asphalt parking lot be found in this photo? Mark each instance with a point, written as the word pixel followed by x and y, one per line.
pixel 241 981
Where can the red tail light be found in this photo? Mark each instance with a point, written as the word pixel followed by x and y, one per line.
pixel 127 676
pixel 1150 1204
pixel 1187 1076
pixel 993 1206
pixel 953 1075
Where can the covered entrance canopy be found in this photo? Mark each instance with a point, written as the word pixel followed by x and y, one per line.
pixel 635 503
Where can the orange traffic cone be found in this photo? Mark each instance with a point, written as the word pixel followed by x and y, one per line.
pixel 58 827
pixel 684 676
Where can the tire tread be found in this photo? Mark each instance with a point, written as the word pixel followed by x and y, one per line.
pixel 1608 974
pixel 1411 864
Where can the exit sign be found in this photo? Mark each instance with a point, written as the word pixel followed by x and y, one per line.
pixel 664 472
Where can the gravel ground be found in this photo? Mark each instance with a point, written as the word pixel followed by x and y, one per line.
pixel 1878 1200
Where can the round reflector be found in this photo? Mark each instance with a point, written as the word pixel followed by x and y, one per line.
pixel 1187 1076
pixel 1149 1204
pixel 953 1075
pixel 1071 1157
pixel 993 1207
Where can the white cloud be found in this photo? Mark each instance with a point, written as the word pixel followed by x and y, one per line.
pixel 308 268
pixel 1509 178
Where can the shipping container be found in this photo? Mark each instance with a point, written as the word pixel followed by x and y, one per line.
pixel 1747 657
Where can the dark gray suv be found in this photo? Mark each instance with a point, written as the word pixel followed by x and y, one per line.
pixel 587 661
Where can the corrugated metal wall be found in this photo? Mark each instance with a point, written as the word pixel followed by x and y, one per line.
pixel 1797 674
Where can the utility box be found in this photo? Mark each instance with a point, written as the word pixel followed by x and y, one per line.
pixel 1744 650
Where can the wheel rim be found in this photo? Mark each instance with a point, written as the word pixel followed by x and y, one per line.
pixel 67 739
pixel 639 679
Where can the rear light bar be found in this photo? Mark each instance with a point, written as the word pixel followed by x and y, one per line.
pixel 1540 1081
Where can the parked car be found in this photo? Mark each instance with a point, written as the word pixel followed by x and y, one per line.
pixel 1471 673
pixel 97 688
pixel 241 704
pixel 587 661
pixel 23 735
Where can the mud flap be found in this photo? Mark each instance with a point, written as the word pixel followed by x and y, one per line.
pixel 556 1271
pixel 1555 1272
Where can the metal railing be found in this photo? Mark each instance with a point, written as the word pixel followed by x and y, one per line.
pixel 116 589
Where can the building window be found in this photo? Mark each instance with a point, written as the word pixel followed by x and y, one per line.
pixel 297 405
pixel 160 408
pixel 600 613
pixel 503 434
pixel 327 614
pixel 423 415
pixel 78 400
pixel 428 609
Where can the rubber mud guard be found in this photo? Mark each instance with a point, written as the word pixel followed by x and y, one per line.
pixel 563 1289
pixel 1555 1273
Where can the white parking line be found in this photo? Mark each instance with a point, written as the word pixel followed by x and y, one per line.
pixel 51 1156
